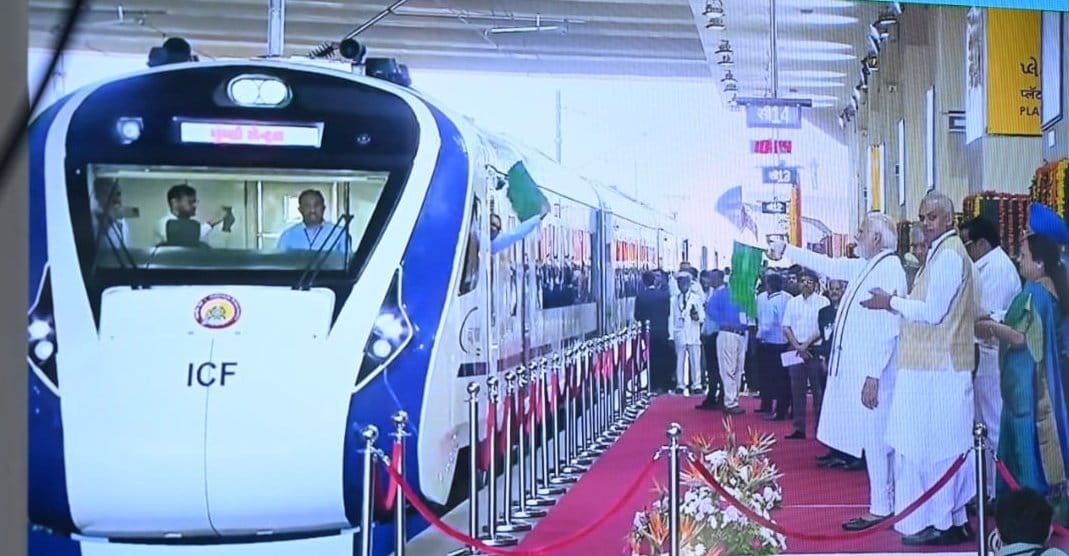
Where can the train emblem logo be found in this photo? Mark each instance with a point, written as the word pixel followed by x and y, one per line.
pixel 217 310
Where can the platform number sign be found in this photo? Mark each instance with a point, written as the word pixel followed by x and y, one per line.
pixel 779 175
pixel 773 116
pixel 774 207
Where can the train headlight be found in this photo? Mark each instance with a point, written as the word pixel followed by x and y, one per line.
pixel 390 333
pixel 129 129
pixel 41 332
pixel 258 91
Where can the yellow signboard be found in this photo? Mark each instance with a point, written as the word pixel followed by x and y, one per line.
pixel 1013 80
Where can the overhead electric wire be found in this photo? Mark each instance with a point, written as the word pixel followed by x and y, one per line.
pixel 13 137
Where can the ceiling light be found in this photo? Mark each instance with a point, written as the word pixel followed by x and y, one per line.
pixel 874 46
pixel 872 63
pixel 728 78
pixel 716 24
pixel 817 56
pixel 853 104
pixel 812 45
pixel 886 20
pixel 863 85
pixel 896 8
pixel 726 61
pixel 531 29
pixel 731 87
pixel 724 48
pixel 813 74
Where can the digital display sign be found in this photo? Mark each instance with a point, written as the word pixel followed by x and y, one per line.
pixel 769 146
pixel 268 135
pixel 774 207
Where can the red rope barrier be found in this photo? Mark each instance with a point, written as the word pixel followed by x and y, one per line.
pixel 437 523
pixel 745 510
pixel 1014 485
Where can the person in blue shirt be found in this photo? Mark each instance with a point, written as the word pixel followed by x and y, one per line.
pixel 731 342
pixel 313 232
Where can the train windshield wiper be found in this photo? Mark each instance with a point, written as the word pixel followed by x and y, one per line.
pixel 320 256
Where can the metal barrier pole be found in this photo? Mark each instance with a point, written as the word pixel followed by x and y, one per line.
pixel 551 474
pixel 586 377
pixel 538 495
pixel 674 432
pixel 979 432
pixel 527 506
pixel 570 435
pixel 649 362
pixel 608 434
pixel 620 420
pixel 473 463
pixel 507 524
pixel 584 453
pixel 546 489
pixel 370 434
pixel 400 423
pixel 492 537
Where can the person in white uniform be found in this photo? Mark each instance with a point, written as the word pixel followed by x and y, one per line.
pixel 998 283
pixel 685 329
pixel 930 424
pixel 861 369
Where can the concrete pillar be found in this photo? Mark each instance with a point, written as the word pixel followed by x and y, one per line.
pixel 997 162
pixel 947 38
pixel 916 79
pixel 1055 140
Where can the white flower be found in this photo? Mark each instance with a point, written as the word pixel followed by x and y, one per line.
pixel 731 515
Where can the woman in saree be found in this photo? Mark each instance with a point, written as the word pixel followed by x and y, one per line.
pixel 1033 442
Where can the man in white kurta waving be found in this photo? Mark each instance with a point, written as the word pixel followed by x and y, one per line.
pixel 861 370
pixel 931 419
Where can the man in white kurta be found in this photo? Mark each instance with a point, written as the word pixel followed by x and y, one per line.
pixel 997 283
pixel 685 329
pixel 930 424
pixel 861 372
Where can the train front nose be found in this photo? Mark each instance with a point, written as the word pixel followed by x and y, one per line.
pixel 219 413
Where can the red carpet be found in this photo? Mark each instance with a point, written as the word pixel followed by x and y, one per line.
pixel 814 500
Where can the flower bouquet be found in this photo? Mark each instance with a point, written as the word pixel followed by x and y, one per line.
pixel 709 525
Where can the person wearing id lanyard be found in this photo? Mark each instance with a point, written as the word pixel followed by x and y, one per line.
pixel 313 232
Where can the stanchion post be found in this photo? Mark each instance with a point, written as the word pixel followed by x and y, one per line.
pixel 528 501
pixel 400 423
pixel 507 523
pixel 551 422
pixel 979 432
pixel 540 491
pixel 543 386
pixel 473 460
pixel 492 537
pixel 674 432
pixel 648 362
pixel 370 434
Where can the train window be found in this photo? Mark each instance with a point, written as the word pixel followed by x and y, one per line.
pixel 203 218
pixel 470 279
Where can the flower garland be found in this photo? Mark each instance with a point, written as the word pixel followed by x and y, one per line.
pixel 1049 185
pixel 1009 212
pixel 709 525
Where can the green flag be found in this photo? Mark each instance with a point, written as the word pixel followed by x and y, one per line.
pixel 523 193
pixel 745 269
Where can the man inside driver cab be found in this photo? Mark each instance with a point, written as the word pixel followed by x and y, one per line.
pixel 314 231
pixel 182 202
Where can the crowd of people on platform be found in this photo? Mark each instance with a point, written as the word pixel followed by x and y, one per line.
pixel 900 353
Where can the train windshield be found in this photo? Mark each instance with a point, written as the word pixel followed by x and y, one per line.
pixel 181 218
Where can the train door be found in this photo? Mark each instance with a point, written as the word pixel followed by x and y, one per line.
pixel 277 470
pixel 506 275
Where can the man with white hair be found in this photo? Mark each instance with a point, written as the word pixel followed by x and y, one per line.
pixel 861 370
pixel 931 419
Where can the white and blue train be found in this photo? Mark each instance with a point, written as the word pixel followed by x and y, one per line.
pixel 202 386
